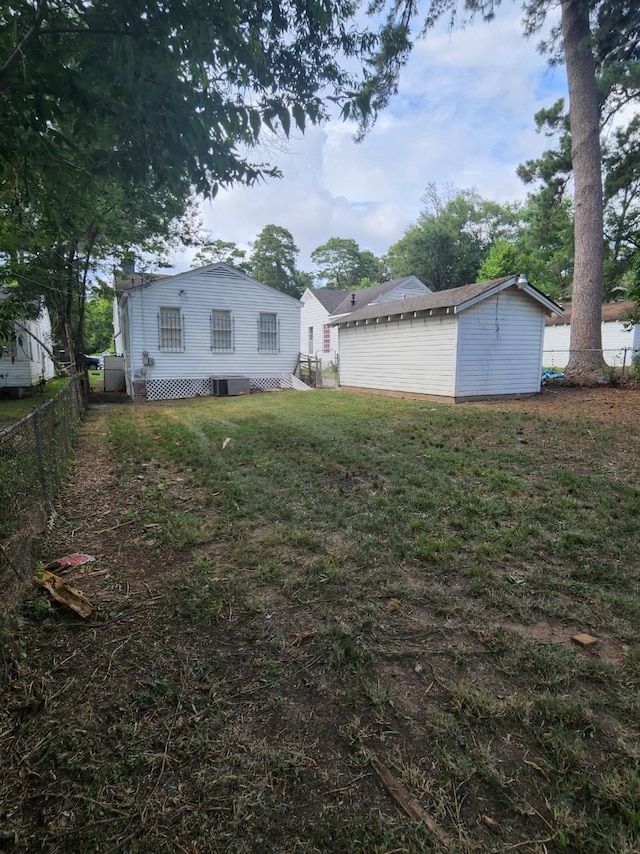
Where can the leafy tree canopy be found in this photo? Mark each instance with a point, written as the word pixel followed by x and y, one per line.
pixel 273 260
pixel 621 172
pixel 220 251
pixel 541 247
pixel 180 89
pixel 342 264
pixel 98 329
pixel 454 233
pixel 114 112
pixel 599 43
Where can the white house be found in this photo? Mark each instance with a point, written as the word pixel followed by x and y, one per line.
pixel 318 337
pixel 177 332
pixel 481 340
pixel 620 342
pixel 25 362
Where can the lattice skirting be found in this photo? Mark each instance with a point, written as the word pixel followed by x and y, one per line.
pixel 175 389
pixel 172 389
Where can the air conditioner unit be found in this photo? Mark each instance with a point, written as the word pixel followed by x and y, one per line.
pixel 228 386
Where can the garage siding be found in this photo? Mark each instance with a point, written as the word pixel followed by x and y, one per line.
pixel 500 346
pixel 413 355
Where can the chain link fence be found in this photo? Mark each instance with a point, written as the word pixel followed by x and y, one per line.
pixel 624 362
pixel 34 459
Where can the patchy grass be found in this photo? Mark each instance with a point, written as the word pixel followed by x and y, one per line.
pixel 293 584
pixel 96 380
pixel 13 409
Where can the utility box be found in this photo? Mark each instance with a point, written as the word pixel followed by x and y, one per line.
pixel 114 373
pixel 228 386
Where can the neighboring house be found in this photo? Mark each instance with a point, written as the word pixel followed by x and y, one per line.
pixel 321 305
pixel 620 343
pixel 481 340
pixel 25 362
pixel 177 332
pixel 317 338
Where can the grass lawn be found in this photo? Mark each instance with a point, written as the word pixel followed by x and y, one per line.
pixel 13 409
pixel 336 623
pixel 96 380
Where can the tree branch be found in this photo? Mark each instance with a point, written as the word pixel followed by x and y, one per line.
pixel 48 350
pixel 18 53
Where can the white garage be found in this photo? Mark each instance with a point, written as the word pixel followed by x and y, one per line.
pixel 480 340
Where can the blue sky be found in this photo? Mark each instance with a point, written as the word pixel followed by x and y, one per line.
pixel 464 115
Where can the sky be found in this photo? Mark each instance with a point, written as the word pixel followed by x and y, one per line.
pixel 463 116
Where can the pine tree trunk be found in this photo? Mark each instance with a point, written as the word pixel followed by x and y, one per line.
pixel 586 334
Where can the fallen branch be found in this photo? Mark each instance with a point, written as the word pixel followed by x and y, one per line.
pixel 404 799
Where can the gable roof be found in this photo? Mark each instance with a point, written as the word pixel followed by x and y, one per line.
pixel 138 280
pixel 361 297
pixel 453 300
pixel 611 311
pixel 328 298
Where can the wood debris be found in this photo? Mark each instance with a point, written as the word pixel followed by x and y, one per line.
pixel 63 593
pixel 583 639
pixel 405 800
pixel 297 639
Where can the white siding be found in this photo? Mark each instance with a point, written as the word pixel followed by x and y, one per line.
pixel 315 315
pixel 556 346
pixel 413 355
pixel 16 368
pixel 118 346
pixel 31 363
pixel 196 294
pixel 500 346
pixel 615 339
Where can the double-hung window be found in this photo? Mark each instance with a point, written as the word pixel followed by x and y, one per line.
pixel 310 341
pixel 170 331
pixel 326 338
pixel 221 331
pixel 268 328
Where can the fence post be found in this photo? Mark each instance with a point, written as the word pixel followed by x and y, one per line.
pixel 41 468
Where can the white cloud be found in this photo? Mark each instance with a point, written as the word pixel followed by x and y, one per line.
pixel 463 115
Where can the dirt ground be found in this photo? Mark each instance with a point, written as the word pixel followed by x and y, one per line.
pixel 603 402
pixel 127 687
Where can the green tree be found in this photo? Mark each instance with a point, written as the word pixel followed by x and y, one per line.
pixel 98 327
pixel 542 247
pixel 503 259
pixel 589 29
pixel 621 171
pixel 342 264
pixel 220 251
pixel 451 238
pixel 622 208
pixel 546 244
pixel 63 227
pixel 182 89
pixel 115 112
pixel 273 260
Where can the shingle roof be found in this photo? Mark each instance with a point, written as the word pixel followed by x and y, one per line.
pixel 453 298
pixel 361 297
pixel 611 311
pixel 135 280
pixel 329 298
